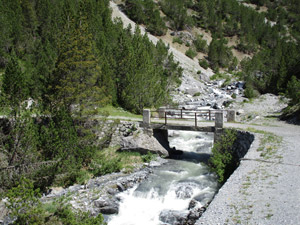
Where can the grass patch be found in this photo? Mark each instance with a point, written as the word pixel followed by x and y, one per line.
pixel 111 160
pixel 177 40
pixel 269 143
pixel 113 111
pixel 191 53
pixel 221 76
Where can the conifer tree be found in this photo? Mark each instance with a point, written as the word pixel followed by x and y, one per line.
pixel 78 73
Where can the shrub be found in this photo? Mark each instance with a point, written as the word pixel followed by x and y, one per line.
pixel 177 40
pixel 250 92
pixel 222 161
pixel 197 94
pixel 148 157
pixel 200 44
pixel 190 53
pixel 203 63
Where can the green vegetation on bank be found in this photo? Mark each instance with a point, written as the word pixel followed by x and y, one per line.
pixel 222 160
pixel 24 203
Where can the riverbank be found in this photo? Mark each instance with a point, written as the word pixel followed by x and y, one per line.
pixel 265 188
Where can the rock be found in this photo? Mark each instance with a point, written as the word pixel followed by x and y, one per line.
pixel 173 217
pixel 142 143
pixel 184 192
pixel 192 204
pixel 107 205
pixel 3 211
pixel 195 214
pixel 121 187
pixel 240 111
pixel 240 85
pixel 110 210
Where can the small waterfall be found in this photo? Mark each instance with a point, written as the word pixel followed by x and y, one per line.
pixel 169 191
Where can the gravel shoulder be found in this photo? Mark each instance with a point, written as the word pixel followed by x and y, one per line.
pixel 262 191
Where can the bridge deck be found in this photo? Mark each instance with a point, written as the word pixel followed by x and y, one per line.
pixel 162 126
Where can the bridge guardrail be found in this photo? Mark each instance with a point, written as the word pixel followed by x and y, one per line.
pixel 185 114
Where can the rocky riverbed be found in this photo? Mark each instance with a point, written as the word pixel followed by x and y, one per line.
pixel 98 195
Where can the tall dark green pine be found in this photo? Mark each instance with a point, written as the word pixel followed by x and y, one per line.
pixel 14 85
pixel 78 74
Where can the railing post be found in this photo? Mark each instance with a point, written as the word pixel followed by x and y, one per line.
pixel 146 116
pixel 166 118
pixel 231 116
pixel 209 112
pixel 195 119
pixel 219 119
pixel 161 112
pixel 181 113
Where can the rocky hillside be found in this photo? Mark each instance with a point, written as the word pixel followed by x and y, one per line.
pixel 249 41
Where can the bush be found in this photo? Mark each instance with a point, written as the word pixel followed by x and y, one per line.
pixel 222 161
pixel 197 94
pixel 177 40
pixel 148 157
pixel 190 53
pixel 200 45
pixel 203 63
pixel 250 92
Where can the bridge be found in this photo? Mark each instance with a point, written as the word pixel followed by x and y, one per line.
pixel 165 119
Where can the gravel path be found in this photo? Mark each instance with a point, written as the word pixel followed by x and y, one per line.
pixel 262 191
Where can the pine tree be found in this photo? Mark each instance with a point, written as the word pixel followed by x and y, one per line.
pixel 78 75
pixel 14 85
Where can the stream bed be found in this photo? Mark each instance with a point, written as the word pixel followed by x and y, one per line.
pixel 175 191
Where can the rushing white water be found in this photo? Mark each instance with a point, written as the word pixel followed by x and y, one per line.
pixel 172 186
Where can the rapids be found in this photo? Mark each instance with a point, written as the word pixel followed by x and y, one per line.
pixel 173 186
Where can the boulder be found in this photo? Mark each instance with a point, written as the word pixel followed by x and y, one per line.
pixel 107 205
pixel 142 143
pixel 3 211
pixel 240 111
pixel 173 217
pixel 184 192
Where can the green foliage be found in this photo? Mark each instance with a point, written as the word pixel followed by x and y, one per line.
pixel 200 44
pixel 177 40
pixel 148 157
pixel 222 161
pixel 24 204
pixel 14 84
pixel 65 215
pixel 250 92
pixel 78 73
pixel 197 94
pixel 219 54
pixel 293 90
pixel 176 12
pixel 221 76
pixel 146 12
pixel 203 63
pixel 190 53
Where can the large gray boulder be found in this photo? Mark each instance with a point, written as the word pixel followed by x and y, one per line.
pixel 143 143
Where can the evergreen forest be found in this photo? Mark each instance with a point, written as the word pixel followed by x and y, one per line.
pixel 60 62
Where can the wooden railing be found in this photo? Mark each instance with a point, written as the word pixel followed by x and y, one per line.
pixel 171 113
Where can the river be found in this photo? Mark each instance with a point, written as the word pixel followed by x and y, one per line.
pixel 172 187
